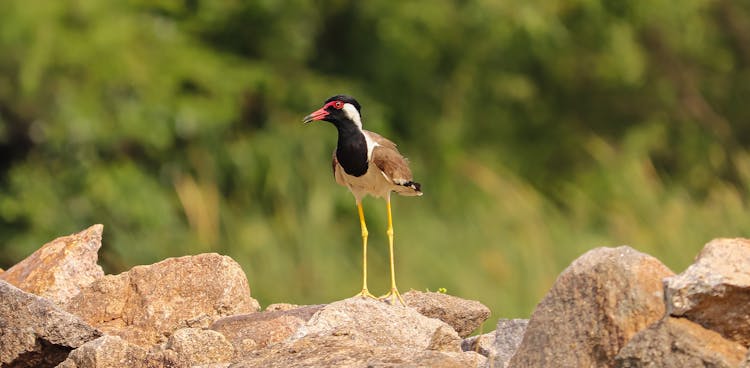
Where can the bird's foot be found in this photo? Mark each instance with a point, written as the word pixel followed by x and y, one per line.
pixel 366 294
pixel 392 297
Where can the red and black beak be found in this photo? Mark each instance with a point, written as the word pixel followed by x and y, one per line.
pixel 318 114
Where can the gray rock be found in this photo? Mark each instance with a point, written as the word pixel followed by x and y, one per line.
pixel 596 305
pixel 715 290
pixel 461 314
pixel 61 268
pixel 34 332
pixel 508 336
pixel 146 304
pixel 678 343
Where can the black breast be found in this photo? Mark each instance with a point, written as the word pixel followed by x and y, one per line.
pixel 351 151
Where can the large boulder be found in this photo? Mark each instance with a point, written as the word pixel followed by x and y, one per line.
pixel 596 305
pixel 678 343
pixel 61 268
pixel 364 332
pixel 715 290
pixel 34 332
pixel 461 314
pixel 147 303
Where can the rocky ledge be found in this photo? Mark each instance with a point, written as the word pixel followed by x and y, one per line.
pixel 612 307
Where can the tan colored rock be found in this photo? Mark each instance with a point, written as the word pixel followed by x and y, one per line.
pixel 596 305
pixel 114 352
pixel 147 303
pixel 461 314
pixel 715 290
pixel 250 332
pixel 197 346
pixel 59 269
pixel 678 343
pixel 34 332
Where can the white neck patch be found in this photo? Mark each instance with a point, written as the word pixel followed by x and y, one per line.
pixel 352 113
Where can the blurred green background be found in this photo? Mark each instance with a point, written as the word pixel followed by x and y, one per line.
pixel 538 129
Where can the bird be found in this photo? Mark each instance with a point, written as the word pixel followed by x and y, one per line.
pixel 367 164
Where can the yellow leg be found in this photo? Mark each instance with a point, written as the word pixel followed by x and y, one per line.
pixel 392 295
pixel 364 293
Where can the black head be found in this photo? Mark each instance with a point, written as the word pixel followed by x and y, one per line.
pixel 339 109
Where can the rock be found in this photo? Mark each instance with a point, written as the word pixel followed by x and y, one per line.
pixel 596 305
pixel 61 268
pixel 281 307
pixel 198 346
pixel 34 332
pixel 508 336
pixel 364 332
pixel 461 314
pixel 480 344
pixel 249 332
pixel 147 303
pixel 715 290
pixel 107 351
pixel 677 343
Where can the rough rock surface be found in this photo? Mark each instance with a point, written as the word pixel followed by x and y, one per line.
pixel 364 332
pixel 34 332
pixel 678 343
pixel 461 314
pixel 59 269
pixel 147 303
pixel 715 290
pixel 344 350
pixel 197 346
pixel 596 305
pixel 114 352
pixel 250 332
pixel 508 337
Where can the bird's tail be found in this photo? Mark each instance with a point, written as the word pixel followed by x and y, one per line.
pixel 410 188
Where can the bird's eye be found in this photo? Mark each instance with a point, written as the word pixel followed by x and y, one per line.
pixel 338 105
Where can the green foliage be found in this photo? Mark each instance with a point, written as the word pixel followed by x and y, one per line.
pixel 539 130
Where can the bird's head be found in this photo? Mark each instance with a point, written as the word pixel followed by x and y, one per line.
pixel 339 110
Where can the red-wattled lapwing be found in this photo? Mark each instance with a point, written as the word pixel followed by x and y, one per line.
pixel 366 163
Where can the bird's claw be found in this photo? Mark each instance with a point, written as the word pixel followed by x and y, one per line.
pixel 366 294
pixel 392 296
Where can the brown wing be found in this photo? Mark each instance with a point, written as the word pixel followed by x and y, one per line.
pixel 390 161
